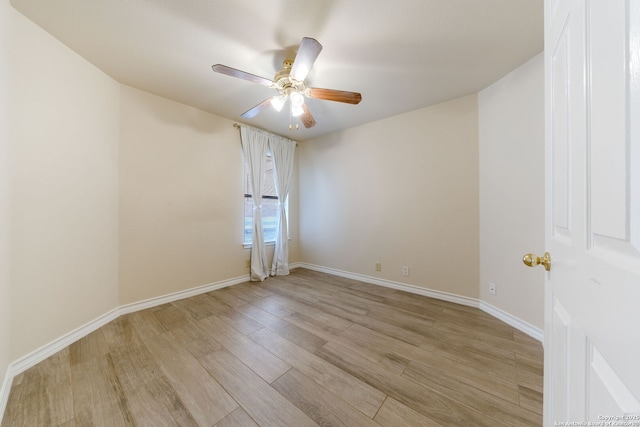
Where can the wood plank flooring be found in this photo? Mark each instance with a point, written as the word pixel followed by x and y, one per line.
pixel 299 350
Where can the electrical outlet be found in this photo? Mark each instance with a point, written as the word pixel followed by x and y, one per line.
pixel 378 266
pixel 405 271
pixel 492 288
pixel 247 263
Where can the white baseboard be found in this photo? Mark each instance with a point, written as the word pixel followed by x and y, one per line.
pixel 4 393
pixel 165 299
pixel 507 318
pixel 445 296
pixel 40 354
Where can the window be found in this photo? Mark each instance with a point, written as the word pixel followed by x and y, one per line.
pixel 269 204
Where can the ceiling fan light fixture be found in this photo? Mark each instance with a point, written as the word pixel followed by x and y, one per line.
pixel 296 110
pixel 278 102
pixel 297 99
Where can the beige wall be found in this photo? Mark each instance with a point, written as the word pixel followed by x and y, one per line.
pixel 400 191
pixel 5 176
pixel 95 227
pixel 511 115
pixel 64 204
pixel 181 204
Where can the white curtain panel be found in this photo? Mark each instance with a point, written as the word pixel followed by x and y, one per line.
pixel 283 154
pixel 254 148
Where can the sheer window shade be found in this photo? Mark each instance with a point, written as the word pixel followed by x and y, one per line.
pixel 269 204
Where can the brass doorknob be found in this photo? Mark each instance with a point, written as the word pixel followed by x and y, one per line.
pixel 532 260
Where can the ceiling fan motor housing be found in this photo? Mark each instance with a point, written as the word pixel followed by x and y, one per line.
pixel 284 83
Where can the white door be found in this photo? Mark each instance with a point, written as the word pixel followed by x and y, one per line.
pixel 592 304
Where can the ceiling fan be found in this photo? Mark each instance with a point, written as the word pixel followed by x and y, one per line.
pixel 289 82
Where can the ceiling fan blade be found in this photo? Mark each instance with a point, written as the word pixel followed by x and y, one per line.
pixel 251 113
pixel 306 118
pixel 223 69
pixel 307 53
pixel 334 95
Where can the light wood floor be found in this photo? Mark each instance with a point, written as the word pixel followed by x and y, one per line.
pixel 297 350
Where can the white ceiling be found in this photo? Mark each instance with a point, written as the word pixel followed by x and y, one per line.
pixel 400 54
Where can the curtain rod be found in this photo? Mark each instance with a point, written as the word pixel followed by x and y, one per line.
pixel 238 126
